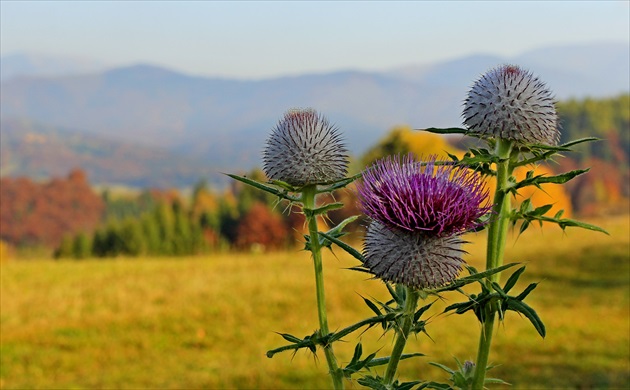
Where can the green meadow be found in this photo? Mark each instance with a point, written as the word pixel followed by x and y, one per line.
pixel 206 322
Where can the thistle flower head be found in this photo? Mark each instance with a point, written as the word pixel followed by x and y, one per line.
pixel 402 193
pixel 510 103
pixel 418 211
pixel 304 148
pixel 412 259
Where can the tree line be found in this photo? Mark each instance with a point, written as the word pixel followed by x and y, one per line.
pixel 68 215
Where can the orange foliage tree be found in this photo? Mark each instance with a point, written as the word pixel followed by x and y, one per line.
pixel 261 226
pixel 41 214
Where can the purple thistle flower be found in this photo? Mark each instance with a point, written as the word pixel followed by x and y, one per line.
pixel 510 103
pixel 422 197
pixel 418 211
pixel 304 148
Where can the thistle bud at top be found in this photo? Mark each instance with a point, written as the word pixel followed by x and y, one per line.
pixel 418 211
pixel 304 148
pixel 510 103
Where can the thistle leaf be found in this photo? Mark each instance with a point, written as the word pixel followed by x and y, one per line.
pixel 450 130
pixel 385 360
pixel 356 254
pixel 266 188
pixel 513 279
pixel 527 311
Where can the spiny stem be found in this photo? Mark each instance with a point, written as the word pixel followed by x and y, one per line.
pixel 497 237
pixel 308 201
pixel 402 334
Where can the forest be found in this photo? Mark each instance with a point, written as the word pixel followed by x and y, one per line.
pixel 67 218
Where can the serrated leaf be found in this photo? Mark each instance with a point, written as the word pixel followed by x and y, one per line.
pixel 443 367
pixel 526 292
pixel 523 227
pixel 372 383
pixel 544 152
pixel 337 229
pixel 473 278
pixel 284 185
pixel 264 187
pixel 498 289
pixel 372 306
pixel 527 311
pixel 384 360
pixel 406 385
pixel 358 350
pixel 290 337
pixel 394 294
pixel 421 311
pixel 435 385
pixel 564 223
pixel 542 210
pixel 511 282
pixel 450 130
pixel 323 209
pixel 366 361
pixel 542 179
pixel 565 147
pixel 496 381
pixel 356 254
pixel 336 185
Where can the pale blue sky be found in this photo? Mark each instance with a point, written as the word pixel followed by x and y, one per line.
pixel 266 39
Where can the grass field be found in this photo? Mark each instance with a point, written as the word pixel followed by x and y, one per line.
pixel 207 322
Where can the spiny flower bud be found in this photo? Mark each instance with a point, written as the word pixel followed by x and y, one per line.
pixel 418 211
pixel 304 148
pixel 411 259
pixel 510 103
pixel 422 197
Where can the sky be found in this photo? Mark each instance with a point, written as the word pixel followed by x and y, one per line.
pixel 260 39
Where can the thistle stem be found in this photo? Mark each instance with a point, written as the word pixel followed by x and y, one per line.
pixel 497 237
pixel 402 334
pixel 308 201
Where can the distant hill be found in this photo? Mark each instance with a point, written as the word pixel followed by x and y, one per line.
pixel 224 122
pixel 38 65
pixel 41 152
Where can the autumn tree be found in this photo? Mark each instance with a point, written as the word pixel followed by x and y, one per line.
pixel 41 214
pixel 261 226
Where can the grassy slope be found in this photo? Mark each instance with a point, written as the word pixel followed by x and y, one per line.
pixel 207 322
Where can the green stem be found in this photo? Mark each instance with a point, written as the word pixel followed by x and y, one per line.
pixel 497 238
pixel 402 334
pixel 308 201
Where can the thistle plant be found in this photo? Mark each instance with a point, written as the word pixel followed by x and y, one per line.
pixel 303 157
pixel 418 212
pixel 514 112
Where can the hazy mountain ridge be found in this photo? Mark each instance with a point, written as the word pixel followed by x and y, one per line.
pixel 37 151
pixel 38 65
pixel 223 122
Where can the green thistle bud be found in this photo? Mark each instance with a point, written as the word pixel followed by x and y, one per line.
pixel 510 103
pixel 304 148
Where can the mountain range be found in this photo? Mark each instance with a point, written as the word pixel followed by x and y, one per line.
pixel 222 123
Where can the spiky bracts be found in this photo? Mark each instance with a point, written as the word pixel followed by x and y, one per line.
pixel 412 259
pixel 418 212
pixel 510 103
pixel 304 148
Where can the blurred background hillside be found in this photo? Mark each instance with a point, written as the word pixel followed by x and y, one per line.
pixel 115 132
